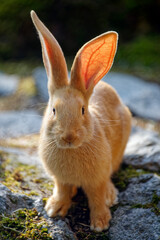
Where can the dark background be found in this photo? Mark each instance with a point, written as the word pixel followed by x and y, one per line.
pixel 74 22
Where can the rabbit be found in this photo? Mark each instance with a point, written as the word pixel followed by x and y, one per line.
pixel 85 127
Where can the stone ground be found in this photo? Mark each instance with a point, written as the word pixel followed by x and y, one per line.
pixel 25 187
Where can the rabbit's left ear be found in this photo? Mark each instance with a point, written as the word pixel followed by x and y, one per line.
pixel 93 61
pixel 53 57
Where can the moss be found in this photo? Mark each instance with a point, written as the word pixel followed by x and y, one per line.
pixel 44 201
pixel 121 178
pixel 24 178
pixel 152 205
pixel 23 224
pixel 33 193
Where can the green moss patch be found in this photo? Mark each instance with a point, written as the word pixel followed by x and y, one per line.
pixel 23 178
pixel 23 224
pixel 153 204
pixel 121 178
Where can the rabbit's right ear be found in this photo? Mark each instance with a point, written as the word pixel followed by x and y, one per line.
pixel 53 57
pixel 93 61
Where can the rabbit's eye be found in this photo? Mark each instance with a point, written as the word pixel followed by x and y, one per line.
pixel 83 110
pixel 54 111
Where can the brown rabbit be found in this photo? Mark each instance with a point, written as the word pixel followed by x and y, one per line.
pixel 85 127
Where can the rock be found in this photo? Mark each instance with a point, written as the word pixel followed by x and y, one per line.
pixel 143 150
pixel 23 156
pixel 10 202
pixel 138 224
pixel 40 76
pixel 141 190
pixel 18 123
pixel 135 217
pixel 58 228
pixel 143 98
pixel 8 84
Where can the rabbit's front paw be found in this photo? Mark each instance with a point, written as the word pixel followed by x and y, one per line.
pixel 100 221
pixel 56 207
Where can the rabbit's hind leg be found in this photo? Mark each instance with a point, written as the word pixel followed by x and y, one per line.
pixel 111 194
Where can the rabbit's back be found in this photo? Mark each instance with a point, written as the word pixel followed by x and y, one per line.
pixel 114 118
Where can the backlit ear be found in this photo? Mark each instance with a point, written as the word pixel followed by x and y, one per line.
pixel 53 57
pixel 94 60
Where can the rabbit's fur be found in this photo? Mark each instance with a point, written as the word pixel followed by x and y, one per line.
pixel 85 127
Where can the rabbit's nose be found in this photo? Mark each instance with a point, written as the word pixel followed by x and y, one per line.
pixel 69 138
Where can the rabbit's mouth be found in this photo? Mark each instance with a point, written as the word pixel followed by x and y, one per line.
pixel 69 143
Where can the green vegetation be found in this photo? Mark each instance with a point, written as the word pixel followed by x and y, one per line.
pixel 23 224
pixel 140 57
pixel 75 22
pixel 24 179
pixel 153 204
pixel 22 68
pixel 121 178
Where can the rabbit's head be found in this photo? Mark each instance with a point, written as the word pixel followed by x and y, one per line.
pixel 68 119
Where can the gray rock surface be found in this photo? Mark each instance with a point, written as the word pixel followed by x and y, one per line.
pixel 23 156
pixel 40 76
pixel 141 190
pixel 18 123
pixel 143 98
pixel 8 84
pixel 134 224
pixel 128 221
pixel 10 202
pixel 143 150
pixel 58 228
pixel 138 223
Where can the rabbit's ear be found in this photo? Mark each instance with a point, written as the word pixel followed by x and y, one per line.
pixel 53 57
pixel 94 60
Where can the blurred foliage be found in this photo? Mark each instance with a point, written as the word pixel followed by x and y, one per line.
pixel 74 22
pixel 145 51
pixel 23 68
pixel 140 57
pixel 16 27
